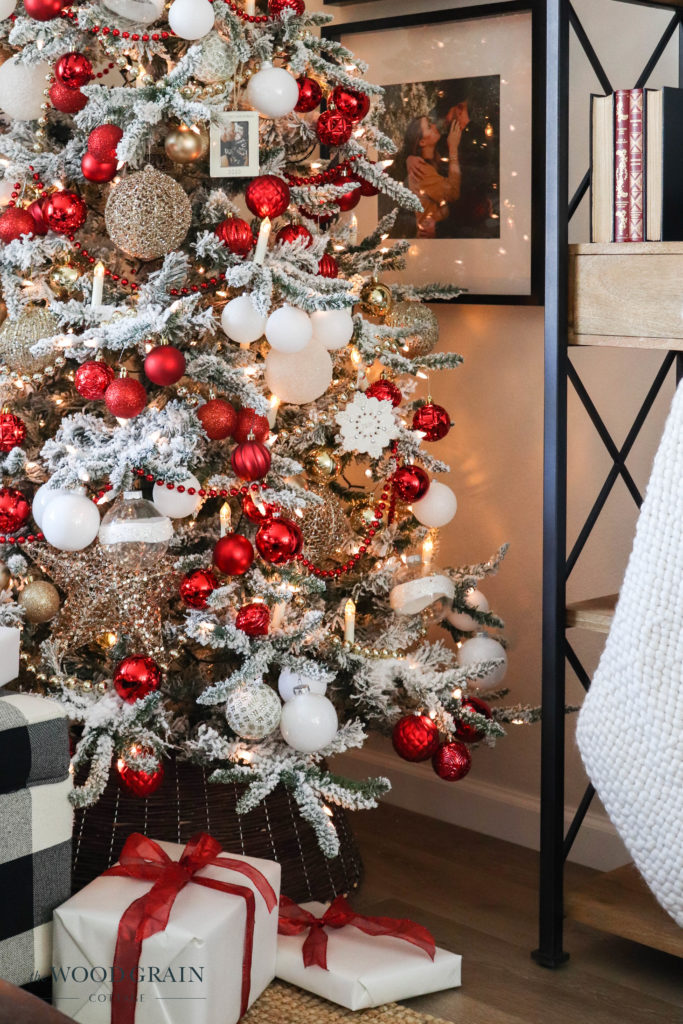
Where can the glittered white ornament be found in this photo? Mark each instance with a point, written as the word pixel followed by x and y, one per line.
pixel 218 61
pixel 143 12
pixel 242 321
pixel 71 521
pixel 367 425
pixel 7 8
pixel 42 498
pixel 461 620
pixel 289 329
pixel 332 327
pixel 191 19
pixel 438 506
pixel 272 91
pixel 290 680
pixel 253 710
pixel 299 378
pixel 177 504
pixel 21 89
pixel 309 722
pixel 133 533
pixel 484 648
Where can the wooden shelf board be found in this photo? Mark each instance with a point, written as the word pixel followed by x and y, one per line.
pixel 625 341
pixel 594 614
pixel 620 903
pixel 627 248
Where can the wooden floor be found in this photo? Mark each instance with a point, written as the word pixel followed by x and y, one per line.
pixel 478 896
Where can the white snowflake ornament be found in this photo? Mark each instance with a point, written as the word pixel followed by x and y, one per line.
pixel 367 425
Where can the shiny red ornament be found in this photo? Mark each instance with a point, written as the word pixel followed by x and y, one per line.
pixel 65 212
pixel 218 418
pixel 333 128
pixel 136 677
pixel 276 7
pixel 432 420
pixel 36 211
pixel 66 100
pixel 292 232
pixel 452 761
pixel 278 541
pixel 411 483
pixel 44 10
pixel 415 737
pixel 323 220
pixel 233 554
pixel 12 431
pixel 237 235
pixel 103 140
pixel 385 391
pixel 74 70
pixel 125 398
pixel 248 422
pixel 250 460
pixel 349 199
pixel 197 587
pixel 141 784
pixel 92 379
pixel 164 365
pixel 366 188
pixel 257 513
pixel 96 170
pixel 14 509
pixel 470 733
pixel 267 196
pixel 16 222
pixel 253 619
pixel 310 95
pixel 352 103
pixel 328 266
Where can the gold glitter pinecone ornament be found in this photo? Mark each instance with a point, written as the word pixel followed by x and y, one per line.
pixel 17 337
pixel 422 321
pixel 325 527
pixel 40 601
pixel 148 214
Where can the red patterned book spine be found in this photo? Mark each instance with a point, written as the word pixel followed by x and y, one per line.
pixel 621 117
pixel 636 192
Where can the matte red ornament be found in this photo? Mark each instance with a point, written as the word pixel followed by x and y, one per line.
pixel 74 70
pixel 452 761
pixel 310 95
pixel 141 784
pixel 352 103
pixel 16 222
pixel 14 509
pixel 469 733
pixel 349 199
pixel 276 7
pixel 92 379
pixel 237 235
pixel 12 431
pixel 333 128
pixel 218 418
pixel 44 10
pixel 328 266
pixel 197 587
pixel 366 188
pixel 233 554
pixel 249 422
pixel 36 211
pixel 415 737
pixel 411 483
pixel 250 460
pixel 253 619
pixel 125 398
pixel 278 541
pixel 66 100
pixel 257 512
pixel 267 196
pixel 385 391
pixel 164 365
pixel 433 420
pixel 136 677
pixel 103 140
pixel 291 232
pixel 96 170
pixel 65 212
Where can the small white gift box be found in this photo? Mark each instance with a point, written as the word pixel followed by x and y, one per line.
pixel 10 637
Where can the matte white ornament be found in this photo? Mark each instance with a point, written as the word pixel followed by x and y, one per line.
pixel 7 8
pixel 252 710
pixel 309 722
pixel 484 648
pixel 21 89
pixel 177 504
pixel 272 91
pixel 143 12
pixel 242 321
pixel 289 680
pixel 71 521
pixel 299 378
pixel 414 596
pixel 42 499
pixel 461 620
pixel 438 506
pixel 191 19
pixel 367 425
pixel 289 329
pixel 10 638
pixel 332 327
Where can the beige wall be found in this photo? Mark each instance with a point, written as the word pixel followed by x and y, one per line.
pixel 495 451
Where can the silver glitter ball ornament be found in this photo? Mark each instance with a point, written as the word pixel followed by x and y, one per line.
pixel 18 336
pixel 148 214
pixel 421 321
pixel 253 710
pixel 218 61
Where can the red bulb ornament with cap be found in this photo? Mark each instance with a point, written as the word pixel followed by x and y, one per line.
pixel 103 140
pixel 352 103
pixel 267 196
pixel 310 95
pixel 14 509
pixel 12 431
pixel 467 732
pixel 197 587
pixel 432 420
pixel 250 460
pixel 385 391
pixel 125 398
pixel 16 222
pixel 233 554
pixel 140 783
pixel 415 737
pixel 411 483
pixel 92 379
pixel 218 418
pixel 253 619
pixel 250 426
pixel 64 212
pixel 136 677
pixel 236 235
pixel 452 761
pixel 278 541
pixel 74 70
pixel 333 129
pixel 164 365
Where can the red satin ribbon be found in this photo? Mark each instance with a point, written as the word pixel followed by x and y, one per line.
pixel 144 859
pixel 294 920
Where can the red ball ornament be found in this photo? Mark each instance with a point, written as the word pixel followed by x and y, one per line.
pixel 16 222
pixel 323 220
pixel 452 761
pixel 66 100
pixel 257 513
pixel 310 95
pixel 278 541
pixel 415 737
pixel 470 733
pixel 103 140
pixel 385 391
pixel 164 365
pixel 65 212
pixel 267 196
pixel 248 422
pixel 432 420
pixel 96 170
pixel 141 784
pixel 233 554
pixel 12 431
pixel 253 619
pixel 333 128
pixel 291 232
pixel 136 677
pixel 237 235
pixel 250 460
pixel 36 211
pixel 276 7
pixel 44 10
pixel 411 483
pixel 125 398
pixel 328 266
pixel 352 103
pixel 366 188
pixel 349 199
pixel 196 588
pixel 14 509
pixel 92 379
pixel 74 70
pixel 218 417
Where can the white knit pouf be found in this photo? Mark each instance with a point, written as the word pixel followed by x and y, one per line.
pixel 630 729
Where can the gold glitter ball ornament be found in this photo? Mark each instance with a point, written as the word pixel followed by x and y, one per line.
pixel 147 214
pixel 321 465
pixel 362 517
pixel 376 299
pixel 423 324
pixel 325 527
pixel 18 336
pixel 184 145
pixel 40 601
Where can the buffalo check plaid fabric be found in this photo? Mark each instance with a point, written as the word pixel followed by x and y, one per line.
pixel 35 832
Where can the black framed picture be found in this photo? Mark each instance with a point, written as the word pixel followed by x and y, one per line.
pixel 464 108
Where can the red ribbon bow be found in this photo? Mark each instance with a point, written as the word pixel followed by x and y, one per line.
pixel 144 859
pixel 294 920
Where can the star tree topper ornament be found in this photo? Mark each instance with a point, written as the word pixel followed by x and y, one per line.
pixel 367 425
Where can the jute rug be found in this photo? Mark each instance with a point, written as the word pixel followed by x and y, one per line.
pixel 284 1004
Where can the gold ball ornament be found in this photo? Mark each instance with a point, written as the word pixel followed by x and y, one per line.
pixel 147 214
pixel 325 527
pixel 184 145
pixel 5 576
pixel 376 299
pixel 321 465
pixel 18 336
pixel 362 517
pixel 40 601
pixel 422 322
pixel 62 280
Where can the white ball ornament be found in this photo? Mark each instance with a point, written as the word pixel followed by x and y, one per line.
pixel 289 329
pixel 7 8
pixel 272 91
pixel 290 680
pixel 309 722
pixel 437 508
pixel 71 521
pixel 177 504
pixel 461 620
pixel 299 378
pixel 191 19
pixel 484 648
pixel 242 321
pixel 21 89
pixel 143 12
pixel 42 498
pixel 333 328
pixel 253 710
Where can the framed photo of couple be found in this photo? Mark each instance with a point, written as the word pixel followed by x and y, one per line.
pixel 464 107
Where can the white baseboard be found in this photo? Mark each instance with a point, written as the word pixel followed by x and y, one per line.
pixel 484 807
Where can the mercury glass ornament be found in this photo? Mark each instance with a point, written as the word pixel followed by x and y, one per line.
pixel 18 336
pixel 133 533
pixel 217 62
pixel 148 214
pixel 423 324
pixel 62 280
pixel 376 299
pixel 322 465
pixel 418 587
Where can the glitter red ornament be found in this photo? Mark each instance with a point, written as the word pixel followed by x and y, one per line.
pixel 64 212
pixel 415 737
pixel 237 235
pixel 218 418
pixel 12 431
pixel 247 421
pixel 257 513
pixel 352 103
pixel 44 10
pixel 14 223
pixel 125 398
pixel 333 128
pixel 103 140
pixel 253 619
pixel 66 100
pixel 328 266
pixel 164 365
pixel 14 509
pixel 250 460
pixel 267 196
pixel 278 541
pixel 452 761
pixel 233 554
pixel 385 391
pixel 349 199
pixel 74 70
pixel 36 211
pixel 92 379
pixel 411 483
pixel 136 677
pixel 432 420
pixel 141 784
pixel 276 7
pixel 310 95
pixel 470 733
pixel 96 170
pixel 292 232
pixel 196 588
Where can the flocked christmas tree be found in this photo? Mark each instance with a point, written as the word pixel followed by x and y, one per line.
pixel 212 425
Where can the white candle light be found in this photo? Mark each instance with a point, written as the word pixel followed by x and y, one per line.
pixel 350 621
pixel 427 549
pixel 278 615
pixel 271 415
pixel 97 286
pixel 225 516
pixel 262 243
pixel 353 230
pixel 250 7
